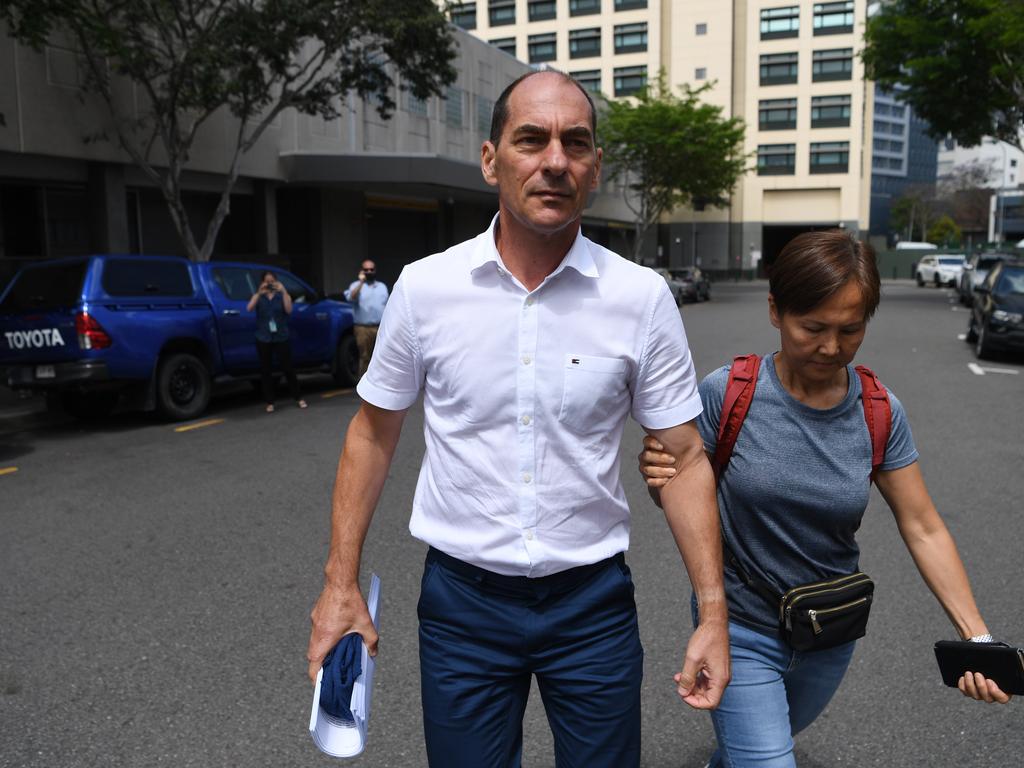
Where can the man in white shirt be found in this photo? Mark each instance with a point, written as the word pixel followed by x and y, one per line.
pixel 369 296
pixel 531 345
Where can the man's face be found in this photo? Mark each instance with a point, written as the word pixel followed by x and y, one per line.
pixel 546 163
pixel 369 271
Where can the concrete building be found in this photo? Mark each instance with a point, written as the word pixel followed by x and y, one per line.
pixel 1005 165
pixel 902 155
pixel 316 196
pixel 789 68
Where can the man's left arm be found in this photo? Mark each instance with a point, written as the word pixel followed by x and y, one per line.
pixel 691 509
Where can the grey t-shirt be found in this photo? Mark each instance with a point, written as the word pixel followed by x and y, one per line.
pixel 796 487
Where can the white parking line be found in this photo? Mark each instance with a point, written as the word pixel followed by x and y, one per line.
pixel 981 370
pixel 961 337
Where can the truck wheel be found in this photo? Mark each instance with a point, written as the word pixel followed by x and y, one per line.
pixel 183 386
pixel 87 406
pixel 345 368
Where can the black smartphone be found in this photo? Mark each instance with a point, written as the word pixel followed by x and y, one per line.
pixel 996 661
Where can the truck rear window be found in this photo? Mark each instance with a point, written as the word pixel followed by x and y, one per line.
pixel 146 277
pixel 45 288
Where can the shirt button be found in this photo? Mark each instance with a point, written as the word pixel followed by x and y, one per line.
pixel 529 535
pixel 526 420
pixel 527 359
pixel 527 478
pixel 529 302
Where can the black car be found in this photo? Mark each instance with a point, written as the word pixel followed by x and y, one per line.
pixel 997 316
pixel 696 286
pixel 975 269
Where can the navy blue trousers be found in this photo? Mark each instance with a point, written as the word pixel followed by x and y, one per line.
pixel 483 636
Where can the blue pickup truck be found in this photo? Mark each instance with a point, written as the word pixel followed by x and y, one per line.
pixel 153 332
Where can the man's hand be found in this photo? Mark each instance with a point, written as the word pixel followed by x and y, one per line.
pixel 977 686
pixel 338 612
pixel 657 466
pixel 362 276
pixel 705 672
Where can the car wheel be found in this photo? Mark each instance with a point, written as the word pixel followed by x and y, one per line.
pixel 87 406
pixel 183 387
pixel 938 280
pixel 972 334
pixel 345 368
pixel 920 280
pixel 982 346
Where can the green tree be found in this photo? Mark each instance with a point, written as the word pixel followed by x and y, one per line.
pixel 945 232
pixel 912 212
pixel 961 60
pixel 190 59
pixel 669 151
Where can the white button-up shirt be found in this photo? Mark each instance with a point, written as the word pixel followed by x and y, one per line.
pixel 525 398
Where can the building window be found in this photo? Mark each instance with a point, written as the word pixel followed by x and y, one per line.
pixel 629 80
pixel 542 48
pixel 584 7
pixel 882 109
pixel 584 43
pixel 830 157
pixel 778 68
pixel 590 79
pixel 702 29
pixel 898 110
pixel 776 160
pixel 484 112
pixel 506 44
pixel 884 126
pixel 630 38
pixel 833 18
pixel 776 114
pixel 414 105
pixel 464 15
pixel 835 64
pixel 541 10
pixel 780 22
pixel 830 111
pixel 700 73
pixel 628 5
pixel 501 12
pixel 453 107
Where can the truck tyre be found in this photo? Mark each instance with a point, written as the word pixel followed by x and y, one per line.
pixel 183 386
pixel 345 368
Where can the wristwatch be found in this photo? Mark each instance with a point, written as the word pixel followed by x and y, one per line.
pixel 986 638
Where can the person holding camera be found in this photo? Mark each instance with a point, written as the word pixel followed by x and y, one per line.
pixel 369 297
pixel 273 304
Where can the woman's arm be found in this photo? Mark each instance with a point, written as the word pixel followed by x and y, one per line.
pixel 252 302
pixel 286 298
pixel 936 557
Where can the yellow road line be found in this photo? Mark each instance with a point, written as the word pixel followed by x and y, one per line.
pixel 8 470
pixel 336 392
pixel 199 425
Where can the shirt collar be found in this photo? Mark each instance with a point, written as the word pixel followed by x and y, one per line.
pixel 579 256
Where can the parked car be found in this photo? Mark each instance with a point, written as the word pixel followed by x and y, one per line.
pixel 975 269
pixel 696 286
pixel 941 270
pixel 153 331
pixel 678 289
pixel 997 315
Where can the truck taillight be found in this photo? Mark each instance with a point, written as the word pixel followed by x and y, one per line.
pixel 90 333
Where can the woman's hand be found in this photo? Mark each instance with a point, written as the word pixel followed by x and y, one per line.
pixel 656 466
pixel 978 687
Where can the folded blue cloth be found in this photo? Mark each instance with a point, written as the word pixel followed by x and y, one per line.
pixel 341 668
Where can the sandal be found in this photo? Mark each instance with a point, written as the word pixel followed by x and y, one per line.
pixel 270 409
pixel 301 404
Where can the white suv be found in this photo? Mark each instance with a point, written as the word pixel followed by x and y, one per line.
pixel 944 269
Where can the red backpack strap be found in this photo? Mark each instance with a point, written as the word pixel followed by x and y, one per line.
pixel 877 414
pixel 739 392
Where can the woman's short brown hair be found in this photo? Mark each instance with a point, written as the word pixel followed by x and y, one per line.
pixel 815 265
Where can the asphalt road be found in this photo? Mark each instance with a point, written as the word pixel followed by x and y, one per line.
pixel 155 584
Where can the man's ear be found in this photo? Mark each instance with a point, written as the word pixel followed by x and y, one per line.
pixel 773 312
pixel 597 170
pixel 488 156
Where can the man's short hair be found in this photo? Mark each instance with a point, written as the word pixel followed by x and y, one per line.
pixel 500 114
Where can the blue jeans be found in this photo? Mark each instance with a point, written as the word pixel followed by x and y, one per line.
pixel 775 693
pixel 483 636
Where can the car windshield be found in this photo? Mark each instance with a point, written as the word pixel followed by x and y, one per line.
pixel 1011 281
pixel 682 274
pixel 951 260
pixel 988 263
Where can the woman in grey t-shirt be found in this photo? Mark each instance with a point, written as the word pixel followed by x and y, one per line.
pixel 793 494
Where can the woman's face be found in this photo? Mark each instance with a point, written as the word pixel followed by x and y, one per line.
pixel 269 279
pixel 821 343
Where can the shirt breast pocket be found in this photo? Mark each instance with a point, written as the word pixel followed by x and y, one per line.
pixel 593 388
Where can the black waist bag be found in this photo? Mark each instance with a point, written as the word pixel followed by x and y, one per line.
pixel 821 614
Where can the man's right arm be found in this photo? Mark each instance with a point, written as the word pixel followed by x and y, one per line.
pixel 365 459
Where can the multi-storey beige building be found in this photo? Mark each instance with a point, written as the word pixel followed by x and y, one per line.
pixel 789 68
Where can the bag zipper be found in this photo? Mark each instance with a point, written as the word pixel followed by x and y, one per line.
pixel 814 614
pixel 815 591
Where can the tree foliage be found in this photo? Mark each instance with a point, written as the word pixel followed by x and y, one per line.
pixel 670 151
pixel 944 232
pixel 913 211
pixel 962 62
pixel 190 59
